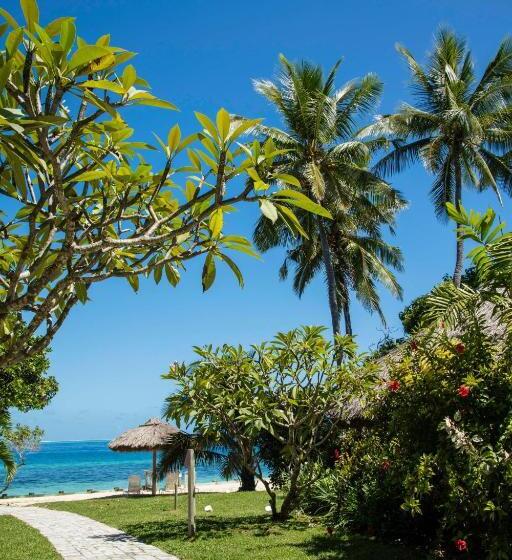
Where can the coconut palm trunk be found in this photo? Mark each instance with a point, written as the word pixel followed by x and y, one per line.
pixel 331 279
pixel 459 259
pixel 346 316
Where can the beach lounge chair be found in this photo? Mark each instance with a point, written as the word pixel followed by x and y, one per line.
pixel 134 484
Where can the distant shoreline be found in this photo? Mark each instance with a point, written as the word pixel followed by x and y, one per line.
pixel 74 440
pixel 202 488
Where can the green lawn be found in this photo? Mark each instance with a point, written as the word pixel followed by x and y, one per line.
pixel 237 528
pixel 18 541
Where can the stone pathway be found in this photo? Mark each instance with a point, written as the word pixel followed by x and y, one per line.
pixel 76 537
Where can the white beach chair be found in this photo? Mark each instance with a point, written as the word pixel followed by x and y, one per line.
pixel 134 484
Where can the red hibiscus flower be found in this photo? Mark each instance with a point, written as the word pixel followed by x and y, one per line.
pixel 414 345
pixel 337 455
pixel 385 465
pixel 394 385
pixel 461 545
pixel 464 391
pixel 459 348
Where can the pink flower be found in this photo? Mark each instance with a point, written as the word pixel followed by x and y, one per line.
pixel 337 455
pixel 461 545
pixel 464 391
pixel 393 385
pixel 385 465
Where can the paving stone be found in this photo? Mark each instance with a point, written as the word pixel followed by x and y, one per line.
pixel 76 537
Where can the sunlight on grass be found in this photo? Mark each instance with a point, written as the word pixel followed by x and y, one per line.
pixel 18 541
pixel 237 528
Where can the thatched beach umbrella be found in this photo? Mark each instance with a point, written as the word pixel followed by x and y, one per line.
pixel 150 436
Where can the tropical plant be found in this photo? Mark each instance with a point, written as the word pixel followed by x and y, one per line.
pixel 84 205
pixel 294 388
pixel 492 263
pixel 24 386
pixel 20 439
pixel 433 465
pixel 460 128
pixel 221 452
pixel 332 168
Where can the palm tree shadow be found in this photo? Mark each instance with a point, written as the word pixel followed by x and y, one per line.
pixel 321 547
pixel 209 528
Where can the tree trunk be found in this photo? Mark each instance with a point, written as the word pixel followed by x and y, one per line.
pixel 248 482
pixel 290 499
pixel 346 316
pixel 331 279
pixel 459 259
pixel 153 476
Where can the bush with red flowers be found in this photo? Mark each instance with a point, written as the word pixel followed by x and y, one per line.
pixel 433 460
pixel 461 545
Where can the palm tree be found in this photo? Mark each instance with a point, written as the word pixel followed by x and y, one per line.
pixel 332 167
pixel 359 255
pixel 223 453
pixel 460 128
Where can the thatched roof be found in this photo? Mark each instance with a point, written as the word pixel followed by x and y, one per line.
pixel 153 434
pixel 493 327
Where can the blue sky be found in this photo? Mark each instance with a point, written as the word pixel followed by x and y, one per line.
pixel 202 56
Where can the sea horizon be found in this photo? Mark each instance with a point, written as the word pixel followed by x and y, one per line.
pixel 72 466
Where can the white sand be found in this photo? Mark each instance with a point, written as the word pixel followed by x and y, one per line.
pixel 224 486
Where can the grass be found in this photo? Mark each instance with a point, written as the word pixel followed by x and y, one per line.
pixel 18 541
pixel 237 528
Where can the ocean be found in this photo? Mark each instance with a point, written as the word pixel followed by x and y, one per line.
pixel 77 466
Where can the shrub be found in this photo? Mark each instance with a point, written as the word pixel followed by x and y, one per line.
pixel 433 465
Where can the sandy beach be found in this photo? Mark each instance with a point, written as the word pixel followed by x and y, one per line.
pixel 202 487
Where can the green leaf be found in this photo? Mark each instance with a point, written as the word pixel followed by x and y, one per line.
pixel 133 280
pixel 216 222
pixel 194 159
pixel 31 13
pixel 81 292
pixel 173 276
pixel 233 266
pixel 85 55
pixel 90 175
pixel 301 201
pixel 173 140
pixel 290 179
pixel 5 72
pixel 55 26
pixel 206 123
pixel 209 272
pixel 154 102
pixel 268 210
pixel 223 122
pixel 243 127
pixel 291 221
pixel 190 190
pixel 157 273
pixel 67 35
pixel 129 77
pixel 9 19
pixel 103 84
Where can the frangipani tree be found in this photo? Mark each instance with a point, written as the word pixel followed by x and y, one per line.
pixel 300 388
pixel 82 203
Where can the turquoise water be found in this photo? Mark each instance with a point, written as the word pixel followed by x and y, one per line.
pixel 76 466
